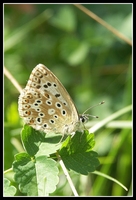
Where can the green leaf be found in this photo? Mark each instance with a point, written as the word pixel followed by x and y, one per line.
pixel 77 153
pixel 36 143
pixel 50 145
pixel 9 190
pixel 25 174
pixel 37 177
pixel 47 175
pixel 31 139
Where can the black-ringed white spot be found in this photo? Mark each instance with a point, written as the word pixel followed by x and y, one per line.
pixel 45 125
pixel 54 84
pixel 41 114
pixel 58 105
pixel 38 101
pixel 63 112
pixel 45 86
pixel 64 103
pixel 49 102
pixel 55 116
pixel 48 83
pixel 39 120
pixel 38 109
pixel 52 121
pixel 36 104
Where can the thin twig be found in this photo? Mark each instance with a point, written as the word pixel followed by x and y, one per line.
pixel 103 23
pixel 67 176
pixel 13 81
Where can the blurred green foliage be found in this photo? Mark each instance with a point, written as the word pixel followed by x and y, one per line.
pixel 92 63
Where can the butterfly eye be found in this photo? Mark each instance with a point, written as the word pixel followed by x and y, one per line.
pixel 83 118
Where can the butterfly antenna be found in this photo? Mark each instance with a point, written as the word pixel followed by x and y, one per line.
pixel 93 107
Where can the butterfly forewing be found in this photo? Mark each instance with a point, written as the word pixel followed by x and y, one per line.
pixel 46 105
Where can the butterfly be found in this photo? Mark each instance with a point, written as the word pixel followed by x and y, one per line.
pixel 45 104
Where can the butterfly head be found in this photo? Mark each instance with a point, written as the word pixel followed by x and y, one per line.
pixel 83 118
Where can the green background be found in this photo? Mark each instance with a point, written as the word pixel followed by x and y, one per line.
pixel 91 62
